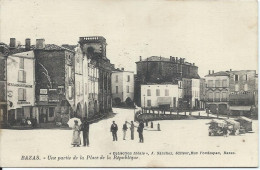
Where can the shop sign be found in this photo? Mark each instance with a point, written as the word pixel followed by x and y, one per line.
pixel 43 98
pixel 43 91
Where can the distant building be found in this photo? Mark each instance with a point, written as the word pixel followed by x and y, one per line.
pixel 195 88
pixel 242 87
pixel 202 93
pixel 232 92
pixel 159 96
pixel 217 92
pixel 122 85
pixel 21 82
pixel 4 52
pixel 160 70
pixel 55 83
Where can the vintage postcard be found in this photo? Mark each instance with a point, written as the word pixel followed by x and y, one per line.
pixel 127 83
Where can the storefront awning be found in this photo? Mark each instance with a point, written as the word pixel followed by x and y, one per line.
pixel 164 100
pixel 245 108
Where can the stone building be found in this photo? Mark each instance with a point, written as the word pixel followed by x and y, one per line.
pixel 232 92
pixel 242 87
pixel 4 52
pixel 55 83
pixel 21 82
pixel 202 93
pixel 160 70
pixel 164 96
pixel 100 70
pixel 122 85
pixel 217 92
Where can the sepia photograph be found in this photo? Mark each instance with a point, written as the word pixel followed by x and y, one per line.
pixel 129 83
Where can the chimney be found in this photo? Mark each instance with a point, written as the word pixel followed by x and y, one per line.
pixel 230 69
pixel 122 69
pixel 212 71
pixel 27 44
pixel 140 58
pixel 160 57
pixel 183 60
pixel 12 43
pixel 193 64
pixel 40 43
pixel 170 58
pixel 209 72
pixel 173 59
pixel 177 60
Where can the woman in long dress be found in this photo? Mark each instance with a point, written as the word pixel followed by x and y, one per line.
pixel 76 135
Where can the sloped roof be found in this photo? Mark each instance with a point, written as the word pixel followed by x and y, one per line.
pixel 70 47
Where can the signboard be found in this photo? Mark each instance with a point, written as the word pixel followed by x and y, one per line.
pixel 43 91
pixel 19 85
pixel 53 95
pixel 43 98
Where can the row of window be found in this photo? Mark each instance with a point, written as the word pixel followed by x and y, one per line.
pixel 158 92
pixel 128 78
pixel 218 83
pixel 127 89
pixel 217 96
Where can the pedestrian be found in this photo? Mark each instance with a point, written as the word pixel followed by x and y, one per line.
pixel 151 124
pixel 132 128
pixel 114 129
pixel 35 122
pixel 76 135
pixel 158 127
pixel 146 123
pixel 140 131
pixel 85 131
pixel 124 130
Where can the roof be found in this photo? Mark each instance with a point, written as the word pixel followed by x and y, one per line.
pixel 70 47
pixel 17 50
pixel 156 58
pixel 220 73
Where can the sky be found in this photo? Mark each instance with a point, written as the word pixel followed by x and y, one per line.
pixel 216 35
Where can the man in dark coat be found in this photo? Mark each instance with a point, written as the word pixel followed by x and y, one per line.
pixel 114 129
pixel 140 131
pixel 124 130
pixel 132 128
pixel 85 131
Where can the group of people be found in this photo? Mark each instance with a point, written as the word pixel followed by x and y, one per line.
pixel 84 127
pixel 114 129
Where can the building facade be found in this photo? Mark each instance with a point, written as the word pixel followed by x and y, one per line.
pixel 160 70
pixel 55 88
pixel 100 70
pixel 202 93
pixel 159 96
pixel 122 85
pixel 217 92
pixel 242 91
pixel 195 89
pixel 21 84
pixel 4 52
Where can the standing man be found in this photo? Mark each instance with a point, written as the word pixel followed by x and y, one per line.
pixel 124 129
pixel 132 128
pixel 85 131
pixel 114 129
pixel 140 131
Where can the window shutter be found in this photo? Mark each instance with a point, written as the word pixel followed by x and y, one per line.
pixel 24 94
pixel 24 76
pixel 20 94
